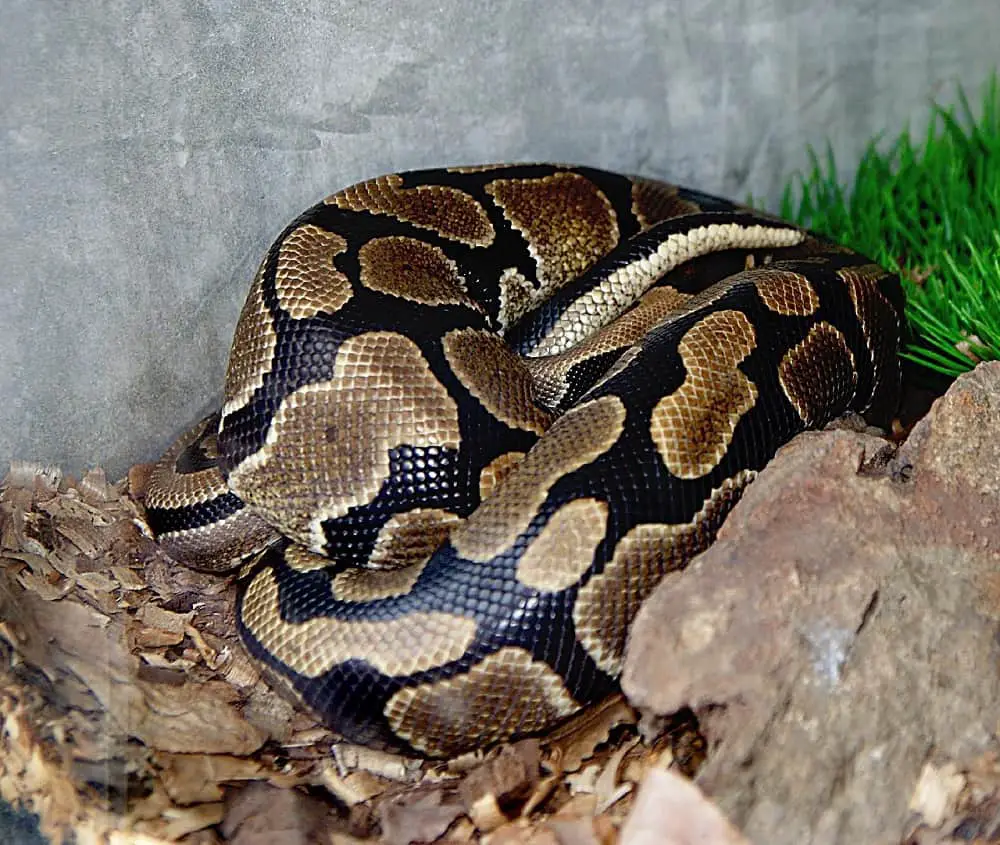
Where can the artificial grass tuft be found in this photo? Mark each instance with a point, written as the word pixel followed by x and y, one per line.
pixel 930 211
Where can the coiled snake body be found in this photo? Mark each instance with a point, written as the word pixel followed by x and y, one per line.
pixel 487 409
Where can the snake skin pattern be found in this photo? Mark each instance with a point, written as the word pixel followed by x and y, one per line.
pixel 472 417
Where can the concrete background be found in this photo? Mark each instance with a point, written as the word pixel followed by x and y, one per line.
pixel 150 151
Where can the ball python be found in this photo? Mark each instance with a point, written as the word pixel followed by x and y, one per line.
pixel 472 416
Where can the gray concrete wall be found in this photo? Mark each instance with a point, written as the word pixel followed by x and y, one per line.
pixel 151 150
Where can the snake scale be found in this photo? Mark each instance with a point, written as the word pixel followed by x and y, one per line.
pixel 472 416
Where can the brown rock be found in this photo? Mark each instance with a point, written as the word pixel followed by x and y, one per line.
pixel 842 631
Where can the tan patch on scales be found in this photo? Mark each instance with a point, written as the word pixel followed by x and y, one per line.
pixel 447 211
pixel 496 376
pixel 413 270
pixel 693 426
pixel 496 471
pixel 410 537
pixel 327 449
pixel 575 439
pixel 306 281
pixel 818 375
pixel 654 201
pixel 785 292
pixel 415 642
pixel 564 548
pixel 507 692
pixel 252 353
pixel 565 218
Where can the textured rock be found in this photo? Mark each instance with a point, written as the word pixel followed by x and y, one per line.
pixel 842 631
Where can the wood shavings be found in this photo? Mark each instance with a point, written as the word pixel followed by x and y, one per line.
pixel 354 788
pixel 180 821
pixel 132 715
pixel 417 817
pixel 607 787
pixel 391 766
pixel 263 815
pixel 576 741
pixel 166 620
pixel 198 778
pixel 500 782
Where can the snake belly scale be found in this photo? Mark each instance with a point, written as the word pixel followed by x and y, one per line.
pixel 472 417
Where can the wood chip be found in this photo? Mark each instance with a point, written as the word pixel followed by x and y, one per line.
pixel 392 766
pixel 509 776
pixel 167 620
pixel 417 817
pixel 607 788
pixel 576 740
pixel 197 778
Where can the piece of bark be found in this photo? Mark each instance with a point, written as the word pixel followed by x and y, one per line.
pixel 263 815
pixel 420 816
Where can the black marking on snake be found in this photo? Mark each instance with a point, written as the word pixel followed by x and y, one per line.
pixel 169 520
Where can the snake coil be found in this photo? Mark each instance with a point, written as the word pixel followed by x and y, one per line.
pixel 472 417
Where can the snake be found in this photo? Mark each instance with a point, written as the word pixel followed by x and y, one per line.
pixel 472 417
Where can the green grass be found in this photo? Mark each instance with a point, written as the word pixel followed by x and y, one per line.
pixel 928 209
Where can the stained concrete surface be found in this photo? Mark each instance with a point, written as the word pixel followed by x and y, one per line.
pixel 149 152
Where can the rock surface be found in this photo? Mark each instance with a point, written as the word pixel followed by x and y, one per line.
pixel 841 634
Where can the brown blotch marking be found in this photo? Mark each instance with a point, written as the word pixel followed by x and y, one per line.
pixel 551 373
pixel 447 211
pixel 492 372
pixel 607 604
pixel 301 559
pixel 496 471
pixel 693 426
pixel 505 693
pixel 785 292
pixel 411 537
pixel 373 584
pixel 564 548
pixel 862 285
pixel 306 281
pixel 252 353
pixel 416 642
pixel 327 449
pixel 413 270
pixel 566 220
pixel 818 374
pixel 517 297
pixel 654 201
pixel 575 439
pixel 880 328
